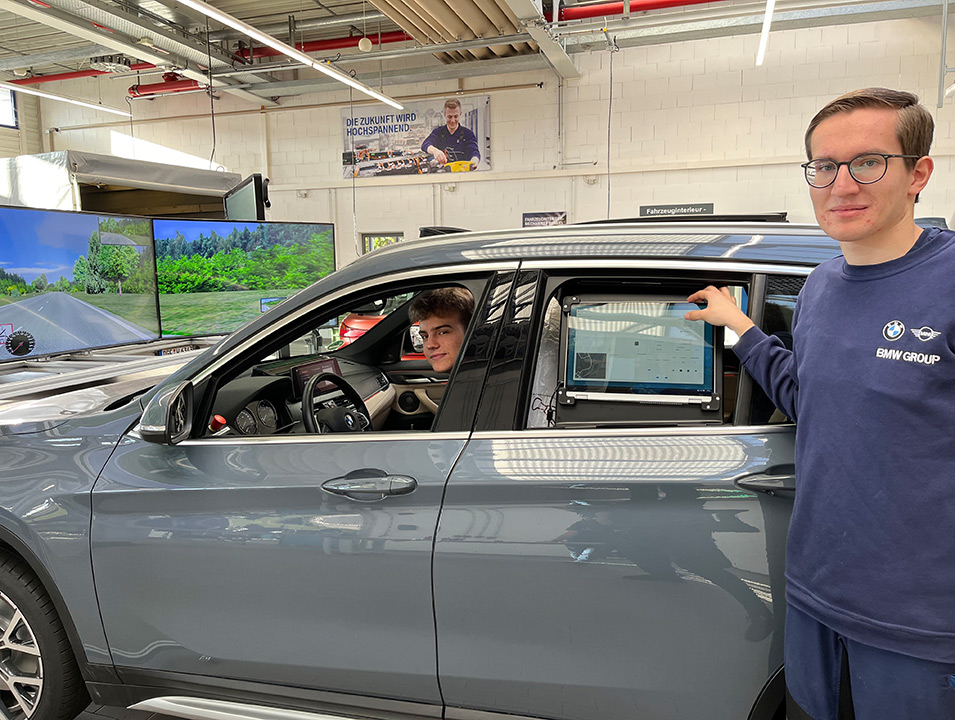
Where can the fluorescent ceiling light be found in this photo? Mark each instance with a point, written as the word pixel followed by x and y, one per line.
pixel 62 98
pixel 764 35
pixel 288 50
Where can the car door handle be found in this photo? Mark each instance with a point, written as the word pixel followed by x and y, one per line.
pixel 769 483
pixel 371 488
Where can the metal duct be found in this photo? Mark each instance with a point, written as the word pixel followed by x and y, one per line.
pixel 320 45
pixel 73 75
pixel 309 24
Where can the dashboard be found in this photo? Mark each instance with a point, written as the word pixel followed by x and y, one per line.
pixel 269 400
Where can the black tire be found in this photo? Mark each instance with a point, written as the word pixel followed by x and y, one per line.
pixel 39 678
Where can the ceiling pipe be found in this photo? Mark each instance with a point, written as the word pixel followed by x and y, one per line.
pixel 173 83
pixel 300 25
pixel 74 75
pixel 320 45
pixel 584 12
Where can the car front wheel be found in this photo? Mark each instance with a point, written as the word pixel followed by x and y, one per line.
pixel 39 678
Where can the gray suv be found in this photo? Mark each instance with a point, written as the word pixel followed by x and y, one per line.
pixel 584 520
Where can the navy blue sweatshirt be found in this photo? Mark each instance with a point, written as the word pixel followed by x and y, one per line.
pixel 871 384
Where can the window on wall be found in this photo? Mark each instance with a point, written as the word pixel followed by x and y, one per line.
pixel 8 109
pixel 373 241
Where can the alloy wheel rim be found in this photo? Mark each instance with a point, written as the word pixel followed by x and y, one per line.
pixel 21 667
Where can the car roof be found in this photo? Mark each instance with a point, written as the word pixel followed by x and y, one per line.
pixel 752 242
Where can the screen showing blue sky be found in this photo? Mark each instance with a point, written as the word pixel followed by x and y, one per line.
pixel 39 241
pixel 192 229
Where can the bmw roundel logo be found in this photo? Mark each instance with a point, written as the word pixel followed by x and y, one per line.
pixel 349 421
pixel 893 330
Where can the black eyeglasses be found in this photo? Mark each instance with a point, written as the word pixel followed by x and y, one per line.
pixel 865 169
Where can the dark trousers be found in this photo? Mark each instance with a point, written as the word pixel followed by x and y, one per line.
pixel 830 677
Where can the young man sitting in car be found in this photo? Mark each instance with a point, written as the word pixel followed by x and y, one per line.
pixel 443 316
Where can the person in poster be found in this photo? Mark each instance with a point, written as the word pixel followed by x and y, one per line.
pixel 452 142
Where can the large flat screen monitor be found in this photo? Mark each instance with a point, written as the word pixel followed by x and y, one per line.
pixel 73 281
pixel 215 275
pixel 639 345
pixel 637 350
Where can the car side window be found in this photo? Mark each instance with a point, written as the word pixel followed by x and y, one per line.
pixel 621 353
pixel 781 294
pixel 357 365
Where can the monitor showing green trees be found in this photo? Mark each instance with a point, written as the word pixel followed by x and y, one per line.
pixel 215 275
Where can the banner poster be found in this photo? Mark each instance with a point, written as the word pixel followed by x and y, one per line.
pixel 540 219
pixel 437 136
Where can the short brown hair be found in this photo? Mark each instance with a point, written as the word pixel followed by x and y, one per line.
pixel 914 128
pixel 442 301
pixel 452 103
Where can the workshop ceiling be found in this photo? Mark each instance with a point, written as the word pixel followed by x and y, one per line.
pixel 412 40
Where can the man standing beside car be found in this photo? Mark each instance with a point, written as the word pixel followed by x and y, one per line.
pixel 870 630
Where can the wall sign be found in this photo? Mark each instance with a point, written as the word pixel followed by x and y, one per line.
pixel 685 209
pixel 540 219
pixel 439 136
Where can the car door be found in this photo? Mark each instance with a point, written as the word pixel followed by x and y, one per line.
pixel 233 562
pixel 610 571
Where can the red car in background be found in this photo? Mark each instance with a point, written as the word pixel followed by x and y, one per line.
pixel 357 323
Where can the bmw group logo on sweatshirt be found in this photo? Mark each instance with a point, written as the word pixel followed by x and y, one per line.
pixel 893 330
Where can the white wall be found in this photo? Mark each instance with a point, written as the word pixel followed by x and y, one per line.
pixel 692 122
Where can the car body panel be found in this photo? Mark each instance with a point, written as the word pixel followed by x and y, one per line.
pixel 602 575
pixel 47 477
pixel 226 557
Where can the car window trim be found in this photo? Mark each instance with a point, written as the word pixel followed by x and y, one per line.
pixel 377 436
pixel 608 431
pixel 656 264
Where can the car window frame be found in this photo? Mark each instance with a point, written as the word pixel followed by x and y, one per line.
pixel 751 276
pixel 294 324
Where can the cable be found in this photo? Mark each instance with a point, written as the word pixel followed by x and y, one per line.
pixel 129 102
pixel 354 172
pixel 212 100
pixel 614 49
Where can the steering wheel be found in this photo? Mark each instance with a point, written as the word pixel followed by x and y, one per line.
pixel 334 419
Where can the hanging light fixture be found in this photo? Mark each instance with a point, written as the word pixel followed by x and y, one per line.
pixel 288 50
pixel 62 98
pixel 364 45
pixel 764 35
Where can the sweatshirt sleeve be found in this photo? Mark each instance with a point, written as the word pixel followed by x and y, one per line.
pixel 432 139
pixel 472 146
pixel 771 365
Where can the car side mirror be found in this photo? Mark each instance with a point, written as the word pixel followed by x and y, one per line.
pixel 167 418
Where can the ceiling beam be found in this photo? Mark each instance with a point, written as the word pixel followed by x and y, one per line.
pixel 414 75
pixel 13 62
pixel 119 42
pixel 168 31
pixel 538 28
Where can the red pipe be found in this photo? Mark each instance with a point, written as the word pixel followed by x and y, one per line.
pixel 74 75
pixel 172 86
pixel 582 12
pixel 332 44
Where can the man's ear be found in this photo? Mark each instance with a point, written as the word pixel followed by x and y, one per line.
pixel 921 174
